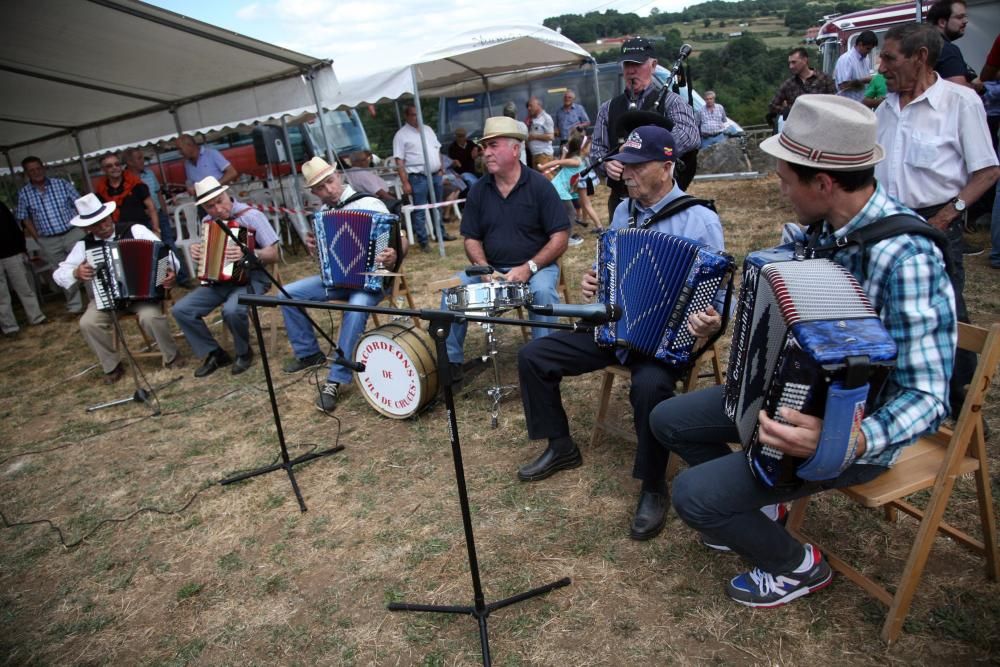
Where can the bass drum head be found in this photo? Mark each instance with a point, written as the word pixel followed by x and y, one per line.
pixel 400 376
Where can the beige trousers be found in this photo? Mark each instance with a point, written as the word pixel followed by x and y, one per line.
pixel 96 325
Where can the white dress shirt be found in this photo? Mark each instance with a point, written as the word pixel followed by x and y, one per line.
pixel 63 276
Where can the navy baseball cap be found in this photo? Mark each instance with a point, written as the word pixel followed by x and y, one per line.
pixel 635 50
pixel 648 143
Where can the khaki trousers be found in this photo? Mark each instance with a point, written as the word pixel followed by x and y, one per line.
pixel 95 325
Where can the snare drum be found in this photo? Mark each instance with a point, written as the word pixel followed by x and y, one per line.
pixel 400 375
pixel 496 296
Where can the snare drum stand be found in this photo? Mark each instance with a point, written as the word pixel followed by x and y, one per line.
pixel 498 391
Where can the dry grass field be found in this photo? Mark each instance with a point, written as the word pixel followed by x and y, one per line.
pixel 237 575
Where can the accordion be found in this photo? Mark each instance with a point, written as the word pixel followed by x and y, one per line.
pixel 348 243
pixel 657 280
pixel 128 270
pixel 806 337
pixel 213 267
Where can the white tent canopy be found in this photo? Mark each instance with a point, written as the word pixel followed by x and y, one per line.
pixel 472 62
pixel 89 75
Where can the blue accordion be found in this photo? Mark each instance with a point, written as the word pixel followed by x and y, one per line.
pixel 657 280
pixel 805 336
pixel 347 243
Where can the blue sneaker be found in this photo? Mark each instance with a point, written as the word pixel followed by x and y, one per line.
pixel 757 588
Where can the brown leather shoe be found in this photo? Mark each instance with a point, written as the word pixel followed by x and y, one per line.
pixel 114 376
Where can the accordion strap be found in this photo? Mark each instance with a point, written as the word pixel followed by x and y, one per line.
pixel 887 227
pixel 673 207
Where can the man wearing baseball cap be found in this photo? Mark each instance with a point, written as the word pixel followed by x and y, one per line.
pixel 95 219
pixel 826 152
pixel 325 182
pixel 648 162
pixel 641 94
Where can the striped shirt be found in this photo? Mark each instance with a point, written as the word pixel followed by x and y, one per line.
pixel 911 292
pixel 712 120
pixel 51 209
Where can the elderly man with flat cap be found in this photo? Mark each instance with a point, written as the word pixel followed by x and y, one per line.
pixel 326 183
pixel 514 222
pixel 657 202
pixel 95 219
pixel 826 156
pixel 192 309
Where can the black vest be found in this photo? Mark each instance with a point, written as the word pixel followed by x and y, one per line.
pixel 616 109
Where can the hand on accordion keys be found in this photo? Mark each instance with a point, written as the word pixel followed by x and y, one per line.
pixel 797 437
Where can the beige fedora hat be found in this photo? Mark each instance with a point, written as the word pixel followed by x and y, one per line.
pixel 207 189
pixel 502 126
pixel 315 170
pixel 91 210
pixel 827 132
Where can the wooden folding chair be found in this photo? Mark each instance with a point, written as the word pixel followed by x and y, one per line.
pixel 398 294
pixel 933 462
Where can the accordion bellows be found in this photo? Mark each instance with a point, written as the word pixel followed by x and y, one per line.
pixel 212 266
pixel 801 327
pixel 348 242
pixel 657 280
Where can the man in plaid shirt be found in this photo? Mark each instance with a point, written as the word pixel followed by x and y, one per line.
pixel 826 154
pixel 804 80
pixel 45 207
pixel 712 121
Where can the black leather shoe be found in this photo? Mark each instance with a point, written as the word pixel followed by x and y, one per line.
pixel 549 463
pixel 448 237
pixel 213 362
pixel 242 363
pixel 650 515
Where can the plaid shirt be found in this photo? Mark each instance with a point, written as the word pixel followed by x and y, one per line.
pixel 712 121
pixel 911 292
pixel 793 86
pixel 50 210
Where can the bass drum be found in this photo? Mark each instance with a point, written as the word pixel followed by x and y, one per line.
pixel 400 376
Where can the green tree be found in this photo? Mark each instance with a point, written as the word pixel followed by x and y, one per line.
pixel 707 22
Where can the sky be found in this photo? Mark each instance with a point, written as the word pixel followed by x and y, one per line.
pixel 367 35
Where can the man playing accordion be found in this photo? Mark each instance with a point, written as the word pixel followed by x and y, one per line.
pixel 326 183
pixel 95 219
pixel 648 173
pixel 827 152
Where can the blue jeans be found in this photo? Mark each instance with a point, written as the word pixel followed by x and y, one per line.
pixel 469 178
pixel 191 310
pixel 718 495
pixel 301 334
pixel 543 288
pixel 167 236
pixel 711 141
pixel 419 184
pixel 995 233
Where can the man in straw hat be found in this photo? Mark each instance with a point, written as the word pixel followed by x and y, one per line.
pixel 648 159
pixel 94 218
pixel 826 163
pixel 514 222
pixel 940 159
pixel 325 182
pixel 191 310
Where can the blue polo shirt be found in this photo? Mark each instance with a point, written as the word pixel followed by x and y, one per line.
pixel 513 229
pixel 210 163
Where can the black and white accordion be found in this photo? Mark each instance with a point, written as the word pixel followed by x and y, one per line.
pixel 805 336
pixel 128 270
pixel 348 243
pixel 657 280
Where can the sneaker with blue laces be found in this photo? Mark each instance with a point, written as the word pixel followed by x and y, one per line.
pixel 758 588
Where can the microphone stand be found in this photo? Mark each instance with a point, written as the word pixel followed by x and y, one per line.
pixel 253 263
pixel 440 325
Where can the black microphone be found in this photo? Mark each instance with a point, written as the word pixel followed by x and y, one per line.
pixel 596 313
pixel 350 364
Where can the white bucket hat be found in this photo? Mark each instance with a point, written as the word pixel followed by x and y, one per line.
pixel 91 210
pixel 827 132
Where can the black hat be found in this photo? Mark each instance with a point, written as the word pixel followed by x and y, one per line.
pixel 635 50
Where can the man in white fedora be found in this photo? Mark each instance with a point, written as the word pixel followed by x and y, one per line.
pixel 324 181
pixel 191 310
pixel 94 218
pixel 514 222
pixel 826 155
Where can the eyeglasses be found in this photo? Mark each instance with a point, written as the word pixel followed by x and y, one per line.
pixel 109 165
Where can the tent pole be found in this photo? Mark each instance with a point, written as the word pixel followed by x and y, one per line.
pixel 177 121
pixel 597 85
pixel 431 195
pixel 83 163
pixel 918 5
pixel 489 100
pixel 298 220
pixel 330 158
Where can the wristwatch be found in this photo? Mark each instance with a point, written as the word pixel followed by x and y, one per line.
pixel 958 203
pixel 532 266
